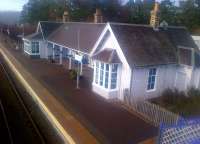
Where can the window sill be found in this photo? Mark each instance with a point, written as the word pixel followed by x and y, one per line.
pixel 151 90
pixel 105 89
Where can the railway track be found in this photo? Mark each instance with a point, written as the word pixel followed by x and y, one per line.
pixel 27 116
pixel 5 121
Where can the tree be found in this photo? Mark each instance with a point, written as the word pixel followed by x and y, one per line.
pixel 36 10
pixel 168 12
pixel 138 11
pixel 190 15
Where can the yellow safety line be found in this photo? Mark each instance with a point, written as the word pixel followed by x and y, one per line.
pixel 66 137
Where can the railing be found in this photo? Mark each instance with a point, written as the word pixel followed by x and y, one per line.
pixel 184 132
pixel 151 112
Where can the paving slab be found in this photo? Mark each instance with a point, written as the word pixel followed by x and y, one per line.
pixel 107 122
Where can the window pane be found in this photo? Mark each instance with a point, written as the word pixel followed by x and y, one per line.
pixel 101 77
pixel 50 45
pixel 97 76
pixel 106 79
pixel 114 76
pixel 107 67
pixel 97 73
pixel 102 66
pixel 154 71
pixel 35 47
pixel 114 67
pixel 151 79
pixel 113 86
pixel 148 87
pixel 152 86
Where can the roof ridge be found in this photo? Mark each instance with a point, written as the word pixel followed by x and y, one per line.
pixel 143 25
pixel 112 23
pixel 129 24
pixel 74 22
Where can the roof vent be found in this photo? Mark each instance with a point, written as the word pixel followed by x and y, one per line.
pixel 164 24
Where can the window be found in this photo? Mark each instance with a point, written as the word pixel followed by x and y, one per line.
pixel 27 47
pixel 57 50
pixel 50 45
pixel 151 79
pixel 101 74
pixel 65 52
pixel 106 75
pixel 35 47
pixel 97 73
pixel 114 76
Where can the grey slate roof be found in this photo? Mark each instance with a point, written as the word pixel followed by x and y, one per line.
pixel 67 35
pixel 34 36
pixel 142 45
pixel 49 27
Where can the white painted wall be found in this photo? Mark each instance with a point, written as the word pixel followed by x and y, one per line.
pixel 195 80
pixel 167 76
pixel 124 73
pixel 43 47
pixel 109 43
pixel 197 40
pixel 107 94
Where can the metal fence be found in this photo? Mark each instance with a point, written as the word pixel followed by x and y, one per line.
pixel 187 132
pixel 151 112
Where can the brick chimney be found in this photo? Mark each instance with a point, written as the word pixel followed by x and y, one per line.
pixel 98 17
pixel 155 16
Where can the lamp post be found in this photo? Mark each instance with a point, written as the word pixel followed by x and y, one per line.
pixel 78 73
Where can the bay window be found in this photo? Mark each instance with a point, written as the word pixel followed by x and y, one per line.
pixel 106 75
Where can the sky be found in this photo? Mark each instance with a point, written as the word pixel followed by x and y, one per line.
pixel 12 5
